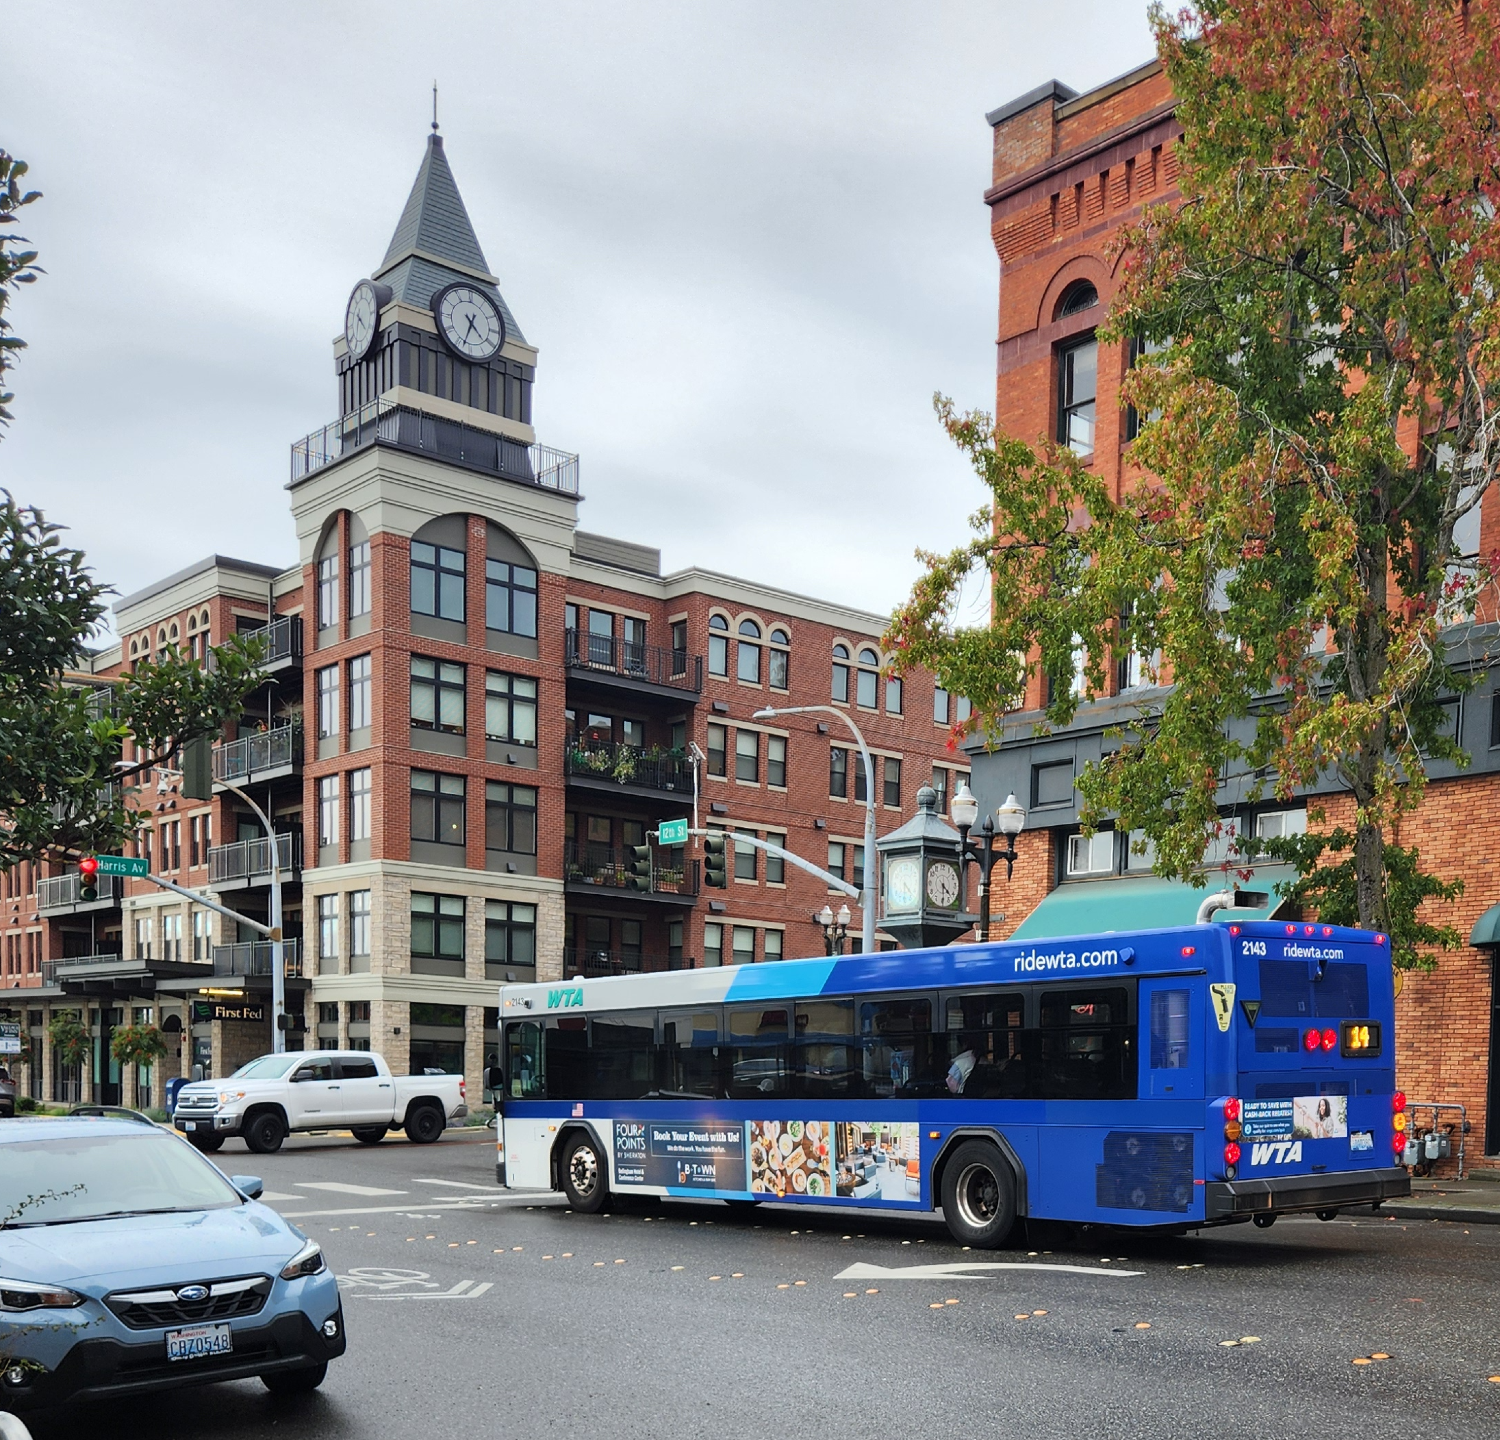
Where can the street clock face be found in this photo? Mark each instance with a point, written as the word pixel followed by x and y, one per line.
pixel 360 319
pixel 469 321
pixel 942 885
pixel 903 884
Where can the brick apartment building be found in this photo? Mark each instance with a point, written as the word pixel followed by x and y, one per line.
pixel 1069 170
pixel 469 710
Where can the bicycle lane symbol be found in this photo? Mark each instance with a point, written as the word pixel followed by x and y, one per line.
pixel 373 1282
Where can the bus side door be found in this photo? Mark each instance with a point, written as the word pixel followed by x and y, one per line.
pixel 1173 1042
pixel 528 1148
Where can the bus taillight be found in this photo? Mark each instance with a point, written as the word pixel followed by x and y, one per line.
pixel 1232 1109
pixel 1330 1039
pixel 1231 1153
pixel 1311 1041
pixel 1398 1101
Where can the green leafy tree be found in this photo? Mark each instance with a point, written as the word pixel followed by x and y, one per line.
pixel 71 1041
pixel 1294 554
pixel 17 265
pixel 138 1045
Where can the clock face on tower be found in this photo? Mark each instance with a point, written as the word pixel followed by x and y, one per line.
pixel 903 884
pixel 942 884
pixel 360 319
pixel 469 321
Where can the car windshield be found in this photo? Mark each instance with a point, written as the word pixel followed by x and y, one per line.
pixel 266 1067
pixel 87 1177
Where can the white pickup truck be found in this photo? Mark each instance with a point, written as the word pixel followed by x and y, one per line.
pixel 273 1095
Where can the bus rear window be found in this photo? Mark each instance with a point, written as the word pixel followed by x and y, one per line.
pixel 1290 989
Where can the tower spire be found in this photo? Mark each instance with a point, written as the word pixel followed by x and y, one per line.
pixel 434 108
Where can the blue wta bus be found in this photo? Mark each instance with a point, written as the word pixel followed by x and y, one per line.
pixel 1179 1077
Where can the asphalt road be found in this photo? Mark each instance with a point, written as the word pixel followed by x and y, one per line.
pixel 470 1314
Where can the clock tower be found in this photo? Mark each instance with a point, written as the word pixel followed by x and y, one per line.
pixel 923 872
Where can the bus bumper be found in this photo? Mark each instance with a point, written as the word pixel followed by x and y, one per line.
pixel 1284 1194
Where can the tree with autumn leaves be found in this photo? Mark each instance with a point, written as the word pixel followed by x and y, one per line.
pixel 1295 557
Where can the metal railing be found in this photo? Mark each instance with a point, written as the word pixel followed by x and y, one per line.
pixel 383 422
pixel 609 866
pixel 253 957
pixel 655 664
pixel 248 756
pixel 56 891
pixel 593 963
pixel 78 967
pixel 251 859
pixel 627 765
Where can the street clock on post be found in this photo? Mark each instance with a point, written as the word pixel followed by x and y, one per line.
pixel 923 878
pixel 469 322
pixel 362 317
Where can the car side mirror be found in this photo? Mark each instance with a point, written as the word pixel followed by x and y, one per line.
pixel 250 1186
pixel 299 1077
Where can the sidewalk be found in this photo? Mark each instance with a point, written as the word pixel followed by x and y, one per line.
pixel 1470 1200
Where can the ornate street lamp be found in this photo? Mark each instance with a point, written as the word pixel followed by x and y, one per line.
pixel 1010 820
pixel 835 928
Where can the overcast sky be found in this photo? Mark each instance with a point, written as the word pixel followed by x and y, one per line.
pixel 748 240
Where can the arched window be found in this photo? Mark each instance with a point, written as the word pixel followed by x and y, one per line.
pixel 748 660
pixel 718 645
pixel 1077 297
pixel 172 633
pixel 841 673
pixel 328 578
pixel 510 585
pixel 780 658
pixel 161 637
pixel 135 648
pixel 359 568
pixel 868 682
pixel 192 622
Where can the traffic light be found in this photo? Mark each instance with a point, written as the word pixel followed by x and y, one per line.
pixel 88 880
pixel 716 861
pixel 639 877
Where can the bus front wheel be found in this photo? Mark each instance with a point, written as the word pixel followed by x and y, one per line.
pixel 584 1180
pixel 979 1196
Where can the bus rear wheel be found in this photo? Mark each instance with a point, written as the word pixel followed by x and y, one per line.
pixel 979 1196
pixel 584 1180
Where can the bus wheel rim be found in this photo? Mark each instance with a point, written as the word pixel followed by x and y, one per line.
pixel 978 1196
pixel 583 1170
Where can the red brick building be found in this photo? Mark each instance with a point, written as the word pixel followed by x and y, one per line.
pixel 470 711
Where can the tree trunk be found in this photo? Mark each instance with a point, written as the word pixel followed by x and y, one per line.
pixel 1369 869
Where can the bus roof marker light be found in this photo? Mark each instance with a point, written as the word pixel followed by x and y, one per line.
pixel 1189 950
pixel 1327 931
pixel 1307 929
pixel 1380 939
pixel 1291 929
pixel 1234 929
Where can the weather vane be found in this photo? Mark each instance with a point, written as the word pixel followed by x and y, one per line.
pixel 434 107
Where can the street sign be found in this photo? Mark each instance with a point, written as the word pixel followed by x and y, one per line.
pixel 10 1037
pixel 122 865
pixel 672 832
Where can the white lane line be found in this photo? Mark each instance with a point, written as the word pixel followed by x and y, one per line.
pixel 461 1184
pixel 270 1197
pixel 956 1271
pixel 340 1188
pixel 465 1204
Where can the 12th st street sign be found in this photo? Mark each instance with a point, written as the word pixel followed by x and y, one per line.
pixel 122 865
pixel 672 832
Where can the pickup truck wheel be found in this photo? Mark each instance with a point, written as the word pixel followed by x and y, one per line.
pixel 265 1132
pixel 425 1124
pixel 206 1143
pixel 584 1179
pixel 370 1134
pixel 979 1196
pixel 302 1381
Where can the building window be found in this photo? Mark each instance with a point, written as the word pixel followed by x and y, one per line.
pixel 203 935
pixel 437 695
pixel 509 934
pixel 718 645
pixel 939 706
pixel 509 598
pixel 861 790
pixel 510 708
pixel 962 709
pixel 776 761
pixel 359 579
pixel 779 659
pixel 328 810
pixel 713 945
pixel 437 581
pixel 359 804
pixel 838 772
pixel 437 808
pixel 837 852
pixel 171 937
pixel 328 702
pixel 745 866
pixel 775 865
pixel 674 944
pixel 510 818
pixel 1139 349
pixel 1052 784
pixel 857 870
pixel 328 591
pixel 633 643
pixel 328 929
pixel 718 744
pixel 437 927
pixel 679 647
pixel 359 922
pixel 1077 379
pixel 744 945
pixel 1277 824
pixel 749 654
pixel 841 673
pixel 359 693
pixel 144 933
pixel 892 794
pixel 772 942
pixel 892 694
pixel 1092 854
pixel 747 756
pixel 869 671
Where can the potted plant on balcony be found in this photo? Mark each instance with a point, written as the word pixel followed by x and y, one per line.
pixel 624 765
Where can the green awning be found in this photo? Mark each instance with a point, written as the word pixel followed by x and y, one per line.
pixel 1486 929
pixel 1093 907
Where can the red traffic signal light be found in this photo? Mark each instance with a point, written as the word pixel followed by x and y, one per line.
pixel 89 865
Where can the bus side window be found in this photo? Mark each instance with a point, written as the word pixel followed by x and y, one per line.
pixel 759 1041
pixel 1169 1030
pixel 896 1048
pixel 825 1052
pixel 1085 1051
pixel 566 1057
pixel 525 1070
pixel 988 1054
pixel 690 1053
pixel 622 1056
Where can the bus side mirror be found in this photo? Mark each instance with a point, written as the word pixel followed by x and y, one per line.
pixel 494 1078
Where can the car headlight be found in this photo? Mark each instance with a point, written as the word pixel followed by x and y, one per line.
pixel 228 1097
pixel 307 1261
pixel 18 1295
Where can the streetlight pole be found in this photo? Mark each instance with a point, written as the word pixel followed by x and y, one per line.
pixel 278 966
pixel 835 928
pixel 867 901
pixel 1012 818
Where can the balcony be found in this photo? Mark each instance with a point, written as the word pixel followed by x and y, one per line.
pixel 604 765
pixel 625 664
pixel 253 958
pixel 58 894
pixel 590 868
pixel 270 755
pixel 248 863
pixel 596 963
pixel 384 423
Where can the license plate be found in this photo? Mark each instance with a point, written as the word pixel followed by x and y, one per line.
pixel 189 1124
pixel 195 1342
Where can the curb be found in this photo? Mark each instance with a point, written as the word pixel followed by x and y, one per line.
pixel 1442 1212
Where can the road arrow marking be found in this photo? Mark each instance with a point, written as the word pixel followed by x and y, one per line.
pixel 956 1271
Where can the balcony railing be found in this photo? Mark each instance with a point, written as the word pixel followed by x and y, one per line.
pixel 593 963
pixel 59 892
pixel 609 867
pixel 79 967
pixel 384 423
pixel 627 765
pixel 654 664
pixel 253 755
pixel 251 859
pixel 253 957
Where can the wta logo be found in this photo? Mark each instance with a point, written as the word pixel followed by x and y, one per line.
pixel 1035 962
